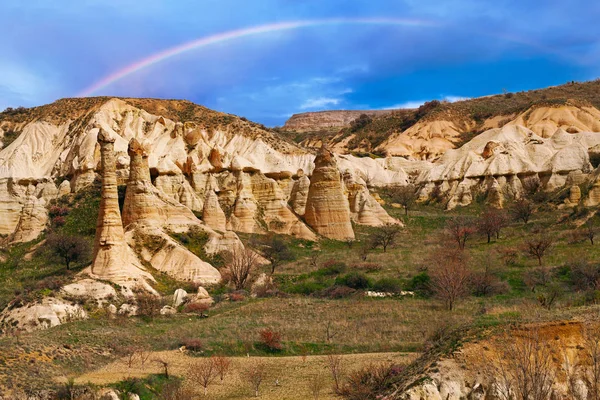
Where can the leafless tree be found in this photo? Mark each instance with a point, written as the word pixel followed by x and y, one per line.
pixel 329 332
pixel 590 231
pixel 538 245
pixel 316 385
pixel 203 372
pixel 314 259
pixel 460 229
pixel 522 366
pixel 274 249
pixel 336 367
pixel 164 364
pixel 450 276
pixel 522 209
pixel 222 364
pixel 364 249
pixel 240 263
pixel 69 249
pixel 405 195
pixel 491 222
pixel 385 236
pixel 255 374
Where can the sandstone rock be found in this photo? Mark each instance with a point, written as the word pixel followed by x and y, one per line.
pixel 113 259
pixel 108 394
pixel 41 315
pixel 202 294
pixel 32 220
pixel 90 289
pixel 300 194
pixel 64 188
pixel 112 309
pixel 168 310
pixel 327 209
pixel 574 195
pixel 128 310
pixel 213 214
pixel 179 297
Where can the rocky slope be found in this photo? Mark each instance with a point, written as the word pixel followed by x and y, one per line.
pixel 426 133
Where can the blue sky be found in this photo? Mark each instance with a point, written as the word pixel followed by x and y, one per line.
pixel 458 48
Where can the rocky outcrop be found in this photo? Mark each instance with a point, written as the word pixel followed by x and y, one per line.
pixel 299 193
pixel 517 154
pixel 315 121
pixel 44 314
pixel 113 259
pixel 327 208
pixel 146 211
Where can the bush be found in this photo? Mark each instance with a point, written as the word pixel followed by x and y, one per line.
pixel 148 305
pixel 331 268
pixel 336 292
pixel 307 287
pixel 368 381
pixel 237 297
pixel 390 285
pixel 354 280
pixel 420 284
pixel 271 339
pixel 196 308
pixel 190 344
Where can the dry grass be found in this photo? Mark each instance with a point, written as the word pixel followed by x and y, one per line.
pixel 292 374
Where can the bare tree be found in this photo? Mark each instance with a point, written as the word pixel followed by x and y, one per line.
pixel 491 222
pixel 450 276
pixel 522 209
pixel 336 367
pixel 460 229
pixel 164 364
pixel 255 374
pixel 590 231
pixel 275 250
pixel 240 263
pixel 203 372
pixel 69 249
pixel 385 236
pixel 222 364
pixel 314 259
pixel 405 195
pixel 538 246
pixel 329 332
pixel 522 367
pixel 316 385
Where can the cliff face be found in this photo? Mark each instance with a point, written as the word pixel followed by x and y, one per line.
pixel 327 120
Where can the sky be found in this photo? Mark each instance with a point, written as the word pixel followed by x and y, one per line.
pixel 268 59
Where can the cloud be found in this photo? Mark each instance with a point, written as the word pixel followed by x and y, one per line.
pixel 320 102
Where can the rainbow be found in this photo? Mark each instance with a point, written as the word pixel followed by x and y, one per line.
pixel 237 34
pixel 278 27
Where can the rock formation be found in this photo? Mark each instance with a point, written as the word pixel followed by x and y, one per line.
pixel 213 214
pixel 327 209
pixel 146 211
pixel 113 260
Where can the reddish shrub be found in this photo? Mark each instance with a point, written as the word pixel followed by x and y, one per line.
pixel 336 292
pixel 192 344
pixel 237 297
pixel 271 339
pixel 196 308
pixel 58 221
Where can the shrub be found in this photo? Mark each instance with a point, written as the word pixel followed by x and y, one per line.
pixel 332 268
pixel 69 249
pixel 368 267
pixel 387 285
pixel 270 339
pixel 196 308
pixel 420 284
pixel 336 292
pixel 148 305
pixel 307 287
pixel 191 344
pixel 366 382
pixel 354 280
pixel 237 297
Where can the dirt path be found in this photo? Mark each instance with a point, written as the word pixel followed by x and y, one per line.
pixel 287 377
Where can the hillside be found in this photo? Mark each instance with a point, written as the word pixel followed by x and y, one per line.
pixel 427 132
